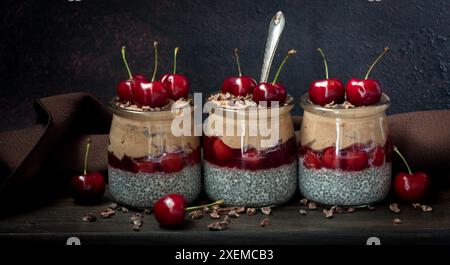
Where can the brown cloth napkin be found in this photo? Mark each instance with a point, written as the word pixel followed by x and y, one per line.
pixel 43 157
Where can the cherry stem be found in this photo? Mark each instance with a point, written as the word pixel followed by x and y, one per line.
pixel 125 61
pixel 386 50
pixel 236 53
pixel 219 202
pixel 175 52
pixel 155 45
pixel 86 154
pixel 290 53
pixel 403 158
pixel 324 62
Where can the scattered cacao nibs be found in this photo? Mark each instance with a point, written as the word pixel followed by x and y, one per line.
pixel 417 205
pixel 394 207
pixel 303 201
pixel 113 206
pixel 426 208
pixel 328 213
pixel 219 225
pixel 197 214
pixel 351 210
pixel 214 215
pixel 266 210
pixel 240 210
pixel 89 218
pixel 122 209
pixel 303 212
pixel 312 205
pixel 397 221
pixel 233 213
pixel 265 222
pixel 371 207
pixel 107 213
pixel 147 211
pixel 338 209
pixel 251 211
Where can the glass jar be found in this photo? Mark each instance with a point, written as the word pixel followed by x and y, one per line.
pixel 147 161
pixel 250 167
pixel 344 154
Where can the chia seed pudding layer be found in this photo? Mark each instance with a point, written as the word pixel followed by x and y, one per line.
pixel 345 188
pixel 252 188
pixel 142 190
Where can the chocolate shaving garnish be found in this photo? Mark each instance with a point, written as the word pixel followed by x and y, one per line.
pixel 417 205
pixel 197 214
pixel 89 218
pixel 135 217
pixel 215 207
pixel 251 211
pixel 394 207
pixel 214 215
pixel 266 210
pixel 328 213
pixel 107 213
pixel 303 201
pixel 426 208
pixel 312 205
pixel 370 207
pixel 337 209
pixel 397 221
pixel 350 210
pixel 113 206
pixel 219 225
pixel 240 210
pixel 206 209
pixel 233 213
pixel 122 209
pixel 265 222
pixel 303 212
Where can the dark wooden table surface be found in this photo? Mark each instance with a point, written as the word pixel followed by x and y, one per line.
pixel 60 220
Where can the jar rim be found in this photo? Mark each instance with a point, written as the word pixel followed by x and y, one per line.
pixel 288 104
pixel 143 114
pixel 355 112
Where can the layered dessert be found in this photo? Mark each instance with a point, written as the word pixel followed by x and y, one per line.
pixel 146 160
pixel 344 150
pixel 244 166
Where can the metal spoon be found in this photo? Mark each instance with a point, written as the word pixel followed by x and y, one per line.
pixel 276 27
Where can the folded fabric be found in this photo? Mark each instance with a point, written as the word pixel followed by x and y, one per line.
pixel 53 149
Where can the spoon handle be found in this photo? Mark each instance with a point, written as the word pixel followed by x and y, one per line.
pixel 275 29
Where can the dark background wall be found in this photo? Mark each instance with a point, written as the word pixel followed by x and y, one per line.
pixel 52 47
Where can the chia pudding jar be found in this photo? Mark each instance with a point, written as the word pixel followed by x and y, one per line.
pixel 344 154
pixel 146 161
pixel 249 168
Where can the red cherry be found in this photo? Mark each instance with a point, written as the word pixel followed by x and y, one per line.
pixel 365 92
pixel 89 187
pixel 140 78
pixel 330 159
pixel 354 160
pixel 172 162
pixel 302 150
pixel 377 156
pixel 410 187
pixel 221 150
pixel 169 210
pixel 152 94
pixel 177 85
pixel 238 86
pixel 323 92
pixel 312 160
pixel 145 166
pixel 251 159
pixel 124 90
pixel 272 91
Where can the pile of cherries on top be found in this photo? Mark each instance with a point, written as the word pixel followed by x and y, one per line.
pixel 156 93
pixel 263 92
pixel 358 92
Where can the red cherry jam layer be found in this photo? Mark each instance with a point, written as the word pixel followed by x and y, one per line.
pixel 353 158
pixel 167 163
pixel 220 154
